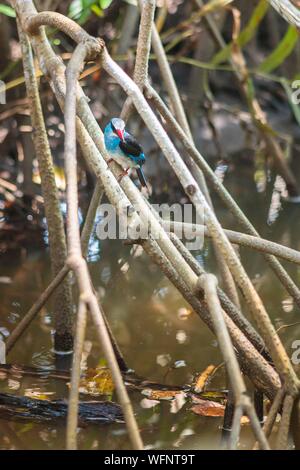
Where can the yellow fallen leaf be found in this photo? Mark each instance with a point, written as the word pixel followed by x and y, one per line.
pixel 202 379
pixel 160 394
pixel 97 382
pixel 37 394
pixel 208 408
pixel 245 420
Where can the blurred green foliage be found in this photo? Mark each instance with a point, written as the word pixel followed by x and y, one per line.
pixel 7 11
pixel 81 10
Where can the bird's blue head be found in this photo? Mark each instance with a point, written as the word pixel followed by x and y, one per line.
pixel 116 128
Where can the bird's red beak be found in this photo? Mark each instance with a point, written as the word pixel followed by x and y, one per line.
pixel 120 134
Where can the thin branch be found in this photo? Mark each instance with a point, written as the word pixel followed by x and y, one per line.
pixel 188 183
pixel 230 308
pixel 284 426
pixel 260 244
pixel 94 158
pixel 288 11
pixel 34 310
pixel 259 118
pixel 272 415
pixel 221 191
pixel 245 348
pixel 170 83
pixel 130 20
pixel 83 51
pixel 56 20
pixel 52 66
pixel 140 75
pixel 243 404
pixel 179 112
pixel 236 427
pixel 63 340
pixel 90 217
pixel 72 420
pixel 55 283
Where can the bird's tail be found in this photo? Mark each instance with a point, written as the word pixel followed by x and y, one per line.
pixel 141 176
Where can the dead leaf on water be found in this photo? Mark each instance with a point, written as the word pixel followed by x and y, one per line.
pixel 161 394
pixel 245 420
pixel 213 409
pixel 202 379
pixel 97 382
pixel 208 408
pixel 37 394
pixel 13 384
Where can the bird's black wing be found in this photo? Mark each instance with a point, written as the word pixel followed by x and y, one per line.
pixel 130 146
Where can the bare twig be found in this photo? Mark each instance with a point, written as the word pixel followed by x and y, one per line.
pixel 131 16
pixel 171 261
pixel 62 303
pixel 90 217
pixel 243 403
pixel 284 426
pixel 84 50
pixel 140 75
pixel 88 48
pixel 287 10
pixel 188 183
pixel 259 118
pixel 230 308
pixel 178 109
pixel 57 280
pixel 222 192
pixel 179 112
pixel 34 310
pixel 260 244
pixel 72 420
pixel 170 82
pixel 271 418
pixel 118 198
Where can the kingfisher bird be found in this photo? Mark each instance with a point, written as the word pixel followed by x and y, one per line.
pixel 124 148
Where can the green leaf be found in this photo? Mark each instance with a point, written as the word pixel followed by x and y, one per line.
pixel 75 9
pixel 246 34
pixel 80 10
pixel 281 52
pixel 7 11
pixel 104 3
pixel 97 10
pixel 87 4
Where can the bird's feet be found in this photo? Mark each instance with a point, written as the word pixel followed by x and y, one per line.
pixel 110 161
pixel 124 173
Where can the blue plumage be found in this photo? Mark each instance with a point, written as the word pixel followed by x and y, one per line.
pixel 124 148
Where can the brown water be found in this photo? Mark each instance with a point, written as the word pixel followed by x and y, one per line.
pixel 144 311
